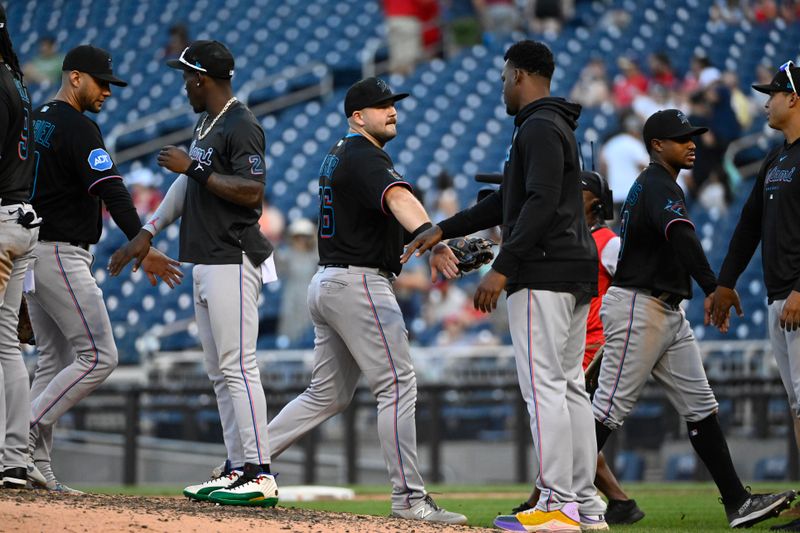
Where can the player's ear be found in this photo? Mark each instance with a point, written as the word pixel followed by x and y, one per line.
pixel 74 78
pixel 358 118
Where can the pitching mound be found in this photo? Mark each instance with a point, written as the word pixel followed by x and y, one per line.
pixel 36 511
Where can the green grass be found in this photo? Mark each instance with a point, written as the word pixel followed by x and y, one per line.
pixel 670 507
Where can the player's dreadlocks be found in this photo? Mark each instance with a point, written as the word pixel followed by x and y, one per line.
pixel 6 48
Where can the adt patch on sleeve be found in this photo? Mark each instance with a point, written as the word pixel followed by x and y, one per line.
pixel 100 160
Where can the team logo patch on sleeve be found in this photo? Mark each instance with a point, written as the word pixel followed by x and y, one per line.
pixel 100 160
pixel 676 206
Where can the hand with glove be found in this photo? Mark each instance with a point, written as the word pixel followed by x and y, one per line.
pixel 459 256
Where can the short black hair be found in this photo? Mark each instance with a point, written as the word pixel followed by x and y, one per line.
pixel 532 56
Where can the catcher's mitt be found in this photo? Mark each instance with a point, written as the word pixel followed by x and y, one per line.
pixel 24 328
pixel 592 373
pixel 471 252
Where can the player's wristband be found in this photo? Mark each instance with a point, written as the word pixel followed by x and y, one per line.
pixel 424 227
pixel 199 173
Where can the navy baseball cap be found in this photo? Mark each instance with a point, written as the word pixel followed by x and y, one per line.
pixel 92 60
pixel 669 124
pixel 369 92
pixel 211 58
pixel 780 82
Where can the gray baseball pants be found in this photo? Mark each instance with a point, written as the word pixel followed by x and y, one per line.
pixel 226 309
pixel 646 336
pixel 786 349
pixel 16 251
pixel 359 328
pixel 73 335
pixel 548 331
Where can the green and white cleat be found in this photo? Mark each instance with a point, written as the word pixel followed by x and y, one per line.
pixel 258 491
pixel 200 492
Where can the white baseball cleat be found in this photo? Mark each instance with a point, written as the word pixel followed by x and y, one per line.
pixel 201 491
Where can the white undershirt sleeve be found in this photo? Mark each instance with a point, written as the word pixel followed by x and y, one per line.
pixel 171 207
pixel 609 256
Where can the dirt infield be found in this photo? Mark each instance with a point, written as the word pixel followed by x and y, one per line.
pixel 39 511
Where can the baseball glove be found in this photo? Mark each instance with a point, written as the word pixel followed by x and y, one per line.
pixel 24 328
pixel 471 252
pixel 592 373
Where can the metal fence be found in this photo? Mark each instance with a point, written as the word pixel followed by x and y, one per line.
pixel 444 412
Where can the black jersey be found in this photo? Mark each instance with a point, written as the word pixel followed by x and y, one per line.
pixel 215 231
pixel 355 226
pixel 770 216
pixel 646 258
pixel 16 140
pixel 71 160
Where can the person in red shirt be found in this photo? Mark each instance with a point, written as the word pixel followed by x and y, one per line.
pixel 597 208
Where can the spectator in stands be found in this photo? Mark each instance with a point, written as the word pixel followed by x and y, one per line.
pixel 661 72
pixel 739 101
pixel 623 157
pixel 764 11
pixel 629 83
pixel 145 194
pixel 411 27
pixel 177 41
pixel 498 17
pixel 46 66
pixel 592 88
pixel 296 263
pixel 271 222
pixel 547 16
pixel 691 82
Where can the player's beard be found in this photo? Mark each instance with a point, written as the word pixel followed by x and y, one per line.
pixel 386 135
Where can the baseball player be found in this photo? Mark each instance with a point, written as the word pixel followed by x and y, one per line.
pixel 18 233
pixel 548 266
pixel 768 217
pixel 597 208
pixel 647 332
pixel 74 173
pixel 218 197
pixel 365 206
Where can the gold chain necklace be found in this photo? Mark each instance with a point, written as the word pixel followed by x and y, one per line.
pixel 202 135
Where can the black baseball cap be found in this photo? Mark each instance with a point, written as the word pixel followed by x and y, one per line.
pixel 780 82
pixel 369 92
pixel 91 60
pixel 669 124
pixel 211 58
pixel 3 18
pixel 596 184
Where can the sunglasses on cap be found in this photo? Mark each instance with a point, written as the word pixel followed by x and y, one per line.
pixel 787 68
pixel 197 68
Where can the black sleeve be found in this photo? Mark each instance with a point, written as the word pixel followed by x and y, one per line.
pixel 246 143
pixel 485 214
pixel 690 253
pixel 93 163
pixel 747 234
pixel 665 205
pixel 120 205
pixel 542 149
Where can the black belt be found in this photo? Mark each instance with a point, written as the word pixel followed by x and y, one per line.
pixel 374 270
pixel 673 300
pixel 79 244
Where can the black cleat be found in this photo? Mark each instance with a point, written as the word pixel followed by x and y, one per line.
pixel 623 512
pixel 759 507
pixel 15 478
pixel 524 506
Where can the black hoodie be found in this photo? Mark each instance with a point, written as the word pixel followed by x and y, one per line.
pixel 546 242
